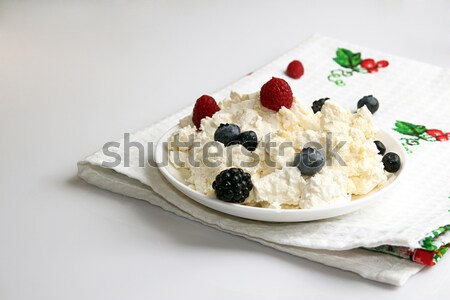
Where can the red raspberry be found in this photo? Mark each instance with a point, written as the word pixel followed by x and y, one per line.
pixel 205 106
pixel 275 94
pixel 295 69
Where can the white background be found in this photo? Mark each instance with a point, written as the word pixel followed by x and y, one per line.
pixel 75 75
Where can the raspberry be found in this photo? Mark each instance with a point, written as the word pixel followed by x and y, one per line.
pixel 275 94
pixel 233 185
pixel 295 69
pixel 205 106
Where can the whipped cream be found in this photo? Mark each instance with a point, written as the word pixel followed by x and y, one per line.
pixel 277 182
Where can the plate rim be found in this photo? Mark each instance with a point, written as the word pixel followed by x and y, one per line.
pixel 272 214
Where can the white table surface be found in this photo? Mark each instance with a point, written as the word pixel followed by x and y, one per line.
pixel 75 75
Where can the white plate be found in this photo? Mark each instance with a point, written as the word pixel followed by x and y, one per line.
pixel 177 179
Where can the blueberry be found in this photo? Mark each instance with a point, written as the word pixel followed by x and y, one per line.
pixel 371 102
pixel 309 161
pixel 317 105
pixel 381 148
pixel 391 162
pixel 249 140
pixel 227 134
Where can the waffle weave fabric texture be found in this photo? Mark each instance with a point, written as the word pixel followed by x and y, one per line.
pixel 408 91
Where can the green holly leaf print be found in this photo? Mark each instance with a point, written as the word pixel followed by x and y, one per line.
pixel 356 59
pixel 409 128
pixel 347 59
pixel 427 243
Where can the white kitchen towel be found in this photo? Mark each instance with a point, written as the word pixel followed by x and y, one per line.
pixel 414 99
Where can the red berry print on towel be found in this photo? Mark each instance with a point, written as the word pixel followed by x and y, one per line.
pixel 353 63
pixel 417 133
pixel 371 66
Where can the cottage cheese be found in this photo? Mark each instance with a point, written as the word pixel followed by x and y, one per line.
pixel 277 183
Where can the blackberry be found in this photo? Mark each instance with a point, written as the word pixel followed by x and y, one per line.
pixel 391 162
pixel 381 147
pixel 249 140
pixel 233 185
pixel 371 102
pixel 317 105
pixel 227 134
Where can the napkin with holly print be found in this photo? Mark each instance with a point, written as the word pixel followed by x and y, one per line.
pixel 389 241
